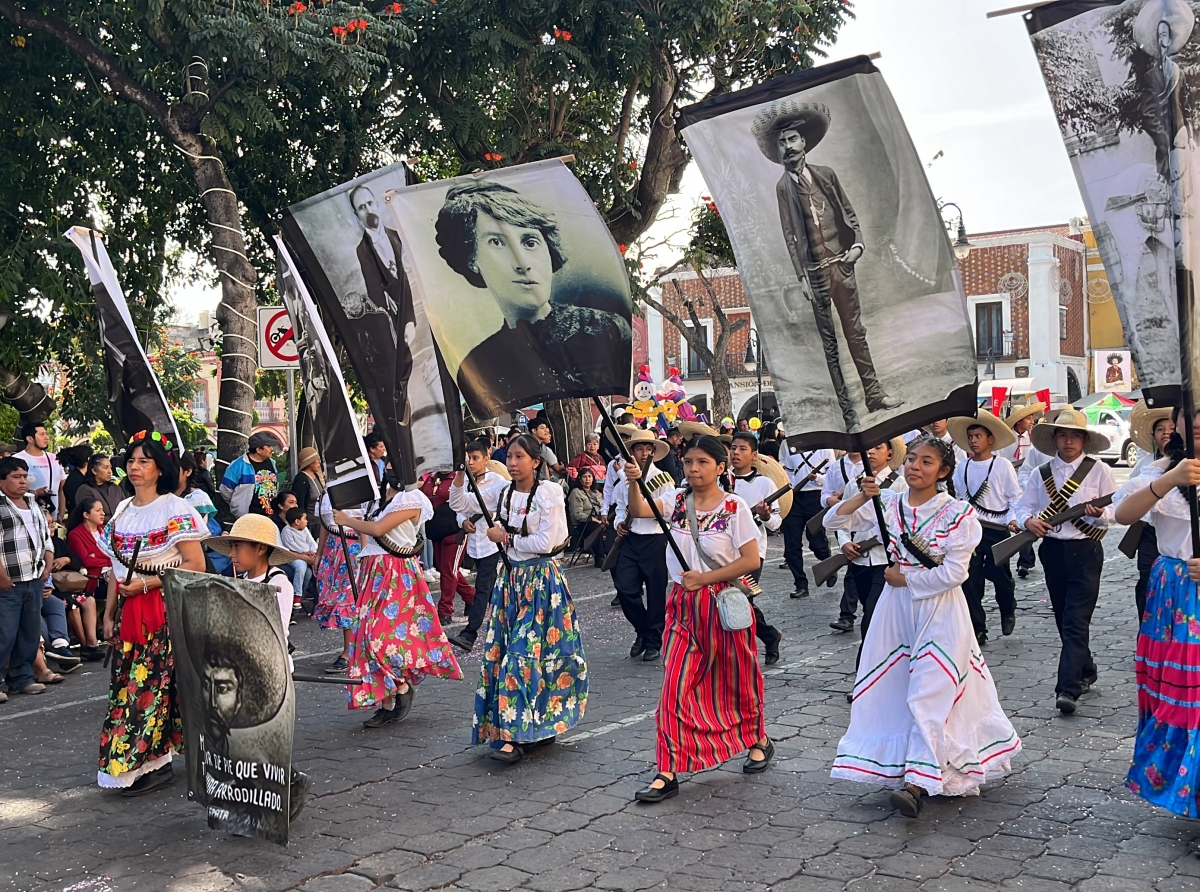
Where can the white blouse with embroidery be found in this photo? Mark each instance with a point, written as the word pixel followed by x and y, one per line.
pixel 949 530
pixel 404 535
pixel 160 526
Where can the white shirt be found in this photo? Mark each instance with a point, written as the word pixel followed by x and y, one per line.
pixel 43 472
pixel 1035 499
pixel 465 506
pixel 546 511
pixel 960 454
pixel 863 523
pixel 800 464
pixel 1031 462
pixel 837 475
pixel 753 490
pixel 659 482
pixel 951 529
pixel 614 479
pixel 1002 491
pixel 284 594
pixel 723 532
pixel 1018 452
pixel 405 534
pixel 325 510
pixel 1170 516
pixel 299 541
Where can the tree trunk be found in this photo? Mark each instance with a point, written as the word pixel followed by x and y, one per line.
pixel 570 420
pixel 722 404
pixel 28 397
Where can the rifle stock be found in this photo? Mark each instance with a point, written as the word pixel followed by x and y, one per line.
pixel 816 523
pixel 822 570
pixel 1002 552
pixel 1132 539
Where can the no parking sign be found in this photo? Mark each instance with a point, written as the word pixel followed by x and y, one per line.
pixel 276 343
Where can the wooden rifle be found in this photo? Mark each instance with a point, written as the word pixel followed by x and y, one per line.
pixel 1002 552
pixel 137 547
pixel 822 570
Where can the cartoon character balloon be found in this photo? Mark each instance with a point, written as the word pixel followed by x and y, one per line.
pixel 644 404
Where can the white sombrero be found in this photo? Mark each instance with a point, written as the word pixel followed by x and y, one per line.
pixel 1069 419
pixel 957 428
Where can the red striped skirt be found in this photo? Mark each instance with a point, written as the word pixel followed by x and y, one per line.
pixel 711 706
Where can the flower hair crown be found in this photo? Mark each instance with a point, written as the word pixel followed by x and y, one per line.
pixel 156 437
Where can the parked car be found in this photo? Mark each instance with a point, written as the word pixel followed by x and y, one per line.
pixel 1114 424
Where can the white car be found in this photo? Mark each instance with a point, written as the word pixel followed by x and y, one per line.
pixel 1114 424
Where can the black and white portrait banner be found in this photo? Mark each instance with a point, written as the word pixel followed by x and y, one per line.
pixel 349 479
pixel 351 258
pixel 136 396
pixel 525 288
pixel 236 699
pixel 842 251
pixel 1123 80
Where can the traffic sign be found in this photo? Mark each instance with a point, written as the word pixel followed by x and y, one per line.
pixel 276 344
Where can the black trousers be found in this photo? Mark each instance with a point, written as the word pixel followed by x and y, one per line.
pixel 485 585
pixel 763 630
pixel 842 295
pixel 1072 568
pixel 984 569
pixel 1147 554
pixel 868 581
pixel 805 506
pixel 1026 558
pixel 643 563
pixel 850 597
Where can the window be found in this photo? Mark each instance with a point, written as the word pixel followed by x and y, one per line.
pixel 989 328
pixel 696 367
pixel 200 405
pixel 1062 323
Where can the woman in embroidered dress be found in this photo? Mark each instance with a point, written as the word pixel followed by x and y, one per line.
pixel 533 683
pixel 711 706
pixel 1166 752
pixel 335 593
pixel 142 728
pixel 395 639
pixel 925 716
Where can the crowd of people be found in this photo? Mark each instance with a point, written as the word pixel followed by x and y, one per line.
pixel 682 524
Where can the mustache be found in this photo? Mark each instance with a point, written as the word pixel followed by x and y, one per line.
pixel 372 221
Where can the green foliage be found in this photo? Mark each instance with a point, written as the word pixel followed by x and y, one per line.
pixel 709 239
pixel 194 434
pixel 9 419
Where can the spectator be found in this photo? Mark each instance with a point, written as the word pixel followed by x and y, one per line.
pixel 442 530
pixel 201 476
pixel 26 554
pixel 540 429
pixel 768 440
pixel 45 480
pixel 98 484
pixel 377 452
pixel 590 458
pixel 75 461
pixel 296 538
pixel 83 539
pixel 55 610
pixel 671 462
pixel 309 486
pixel 282 504
pixel 501 453
pixel 251 482
pixel 584 512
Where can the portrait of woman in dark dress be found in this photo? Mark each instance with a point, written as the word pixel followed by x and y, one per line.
pixel 498 240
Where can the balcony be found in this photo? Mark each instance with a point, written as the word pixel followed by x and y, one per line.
pixel 734 368
pixel 998 348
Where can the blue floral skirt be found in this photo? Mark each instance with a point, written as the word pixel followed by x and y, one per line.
pixel 1166 753
pixel 533 683
pixel 335 595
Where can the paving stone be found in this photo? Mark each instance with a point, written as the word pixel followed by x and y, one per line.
pixel 492 879
pixel 346 882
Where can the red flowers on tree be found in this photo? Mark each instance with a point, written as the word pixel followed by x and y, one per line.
pixel 562 35
pixel 297 8
pixel 493 156
pixel 339 32
pixel 394 8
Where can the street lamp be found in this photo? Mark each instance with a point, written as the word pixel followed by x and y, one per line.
pixel 753 363
pixel 961 246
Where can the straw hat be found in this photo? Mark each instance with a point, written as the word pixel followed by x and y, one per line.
pixel 1033 409
pixel 499 467
pixel 1069 419
pixel 1143 420
pixel 957 428
pixel 661 447
pixel 899 451
pixel 257 529
pixel 811 119
pixel 308 455
pixel 690 429
pixel 768 467
pixel 627 430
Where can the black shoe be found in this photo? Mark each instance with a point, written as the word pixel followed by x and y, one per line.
pixel 67 661
pixel 907 802
pixel 771 646
pixel 615 602
pixel 981 638
pixel 650 654
pixel 159 777
pixel 831 581
pixel 783 566
pixel 638 648
pixel 512 757
pixel 381 718
pixel 1023 572
pixel 750 766
pixel 92 654
pixel 464 640
pixel 651 794
pixel 800 593
pixel 849 696
pixel 879 403
pixel 337 667
pixel 444 621
pixel 1088 681
pixel 1065 704
pixel 843 624
pixel 404 703
pixel 1007 624
pixel 298 793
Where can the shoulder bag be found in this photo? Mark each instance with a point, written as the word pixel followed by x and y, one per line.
pixel 732 604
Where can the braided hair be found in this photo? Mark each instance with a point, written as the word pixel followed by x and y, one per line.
pixel 945 451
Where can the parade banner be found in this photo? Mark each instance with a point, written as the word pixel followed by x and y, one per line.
pixel 999 396
pixel 526 291
pixel 349 480
pixel 1122 79
pixel 136 397
pixel 830 215
pixel 236 699
pixel 352 260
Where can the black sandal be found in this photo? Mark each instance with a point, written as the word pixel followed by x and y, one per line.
pixel 512 757
pixel 908 801
pixel 651 794
pixel 752 766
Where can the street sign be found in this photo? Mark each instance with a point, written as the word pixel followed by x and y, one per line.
pixel 276 346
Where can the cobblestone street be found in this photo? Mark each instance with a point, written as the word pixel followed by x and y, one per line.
pixel 415 808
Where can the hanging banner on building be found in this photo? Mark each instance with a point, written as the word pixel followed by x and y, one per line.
pixel 137 399
pixel 999 396
pixel 526 291
pixel 352 259
pixel 842 251
pixel 1122 78
pixel 236 698
pixel 348 477
pixel 1113 371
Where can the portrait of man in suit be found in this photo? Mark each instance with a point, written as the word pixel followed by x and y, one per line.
pixel 824 240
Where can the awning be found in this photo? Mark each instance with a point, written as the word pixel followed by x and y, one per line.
pixel 1016 387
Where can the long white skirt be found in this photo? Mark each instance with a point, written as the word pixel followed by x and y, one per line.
pixel 925 709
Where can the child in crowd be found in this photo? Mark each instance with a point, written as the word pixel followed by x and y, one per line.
pixel 296 538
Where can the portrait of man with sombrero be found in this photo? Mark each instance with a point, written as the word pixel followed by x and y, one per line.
pixel 824 240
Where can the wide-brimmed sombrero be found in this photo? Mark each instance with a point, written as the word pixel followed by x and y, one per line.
pixel 499 467
pixel 957 428
pixel 1175 14
pixel 810 118
pixel 690 429
pixel 661 447
pixel 1031 411
pixel 257 529
pixel 1069 419
pixel 768 467
pixel 1143 420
